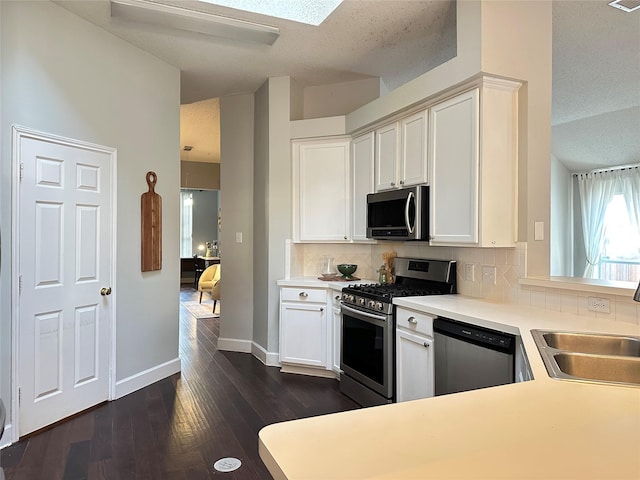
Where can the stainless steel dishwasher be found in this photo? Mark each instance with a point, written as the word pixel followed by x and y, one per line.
pixel 468 357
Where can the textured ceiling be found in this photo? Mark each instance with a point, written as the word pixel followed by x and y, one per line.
pixel 200 128
pixel 596 62
pixel 596 85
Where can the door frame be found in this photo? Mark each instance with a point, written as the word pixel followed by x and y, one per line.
pixel 18 133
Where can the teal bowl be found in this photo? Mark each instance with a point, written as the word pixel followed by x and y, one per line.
pixel 347 269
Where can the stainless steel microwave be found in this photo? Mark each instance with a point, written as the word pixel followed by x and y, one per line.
pixel 399 214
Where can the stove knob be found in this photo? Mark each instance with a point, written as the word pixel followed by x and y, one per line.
pixel 379 306
pixel 361 301
pixel 350 298
pixel 371 304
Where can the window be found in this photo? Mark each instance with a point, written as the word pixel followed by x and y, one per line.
pixel 610 212
pixel 186 224
pixel 620 259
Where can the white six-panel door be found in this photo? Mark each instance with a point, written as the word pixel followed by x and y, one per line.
pixel 65 259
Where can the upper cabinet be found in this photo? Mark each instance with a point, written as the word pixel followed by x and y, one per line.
pixel 401 153
pixel 362 159
pixel 322 190
pixel 473 167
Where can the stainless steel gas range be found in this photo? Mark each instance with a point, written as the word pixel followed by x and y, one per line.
pixel 367 356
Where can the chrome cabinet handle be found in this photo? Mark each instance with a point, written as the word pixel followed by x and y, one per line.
pixel 303 294
pixel 412 320
pixel 105 291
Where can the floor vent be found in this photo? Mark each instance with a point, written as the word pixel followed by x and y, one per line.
pixel 228 464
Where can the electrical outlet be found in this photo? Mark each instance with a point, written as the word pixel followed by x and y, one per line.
pixel 600 305
pixel 470 272
pixel 489 274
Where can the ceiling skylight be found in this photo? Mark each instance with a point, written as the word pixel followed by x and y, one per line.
pixel 312 12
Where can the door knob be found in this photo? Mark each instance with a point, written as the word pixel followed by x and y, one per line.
pixel 105 291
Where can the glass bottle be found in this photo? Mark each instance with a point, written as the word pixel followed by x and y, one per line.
pixel 326 269
pixel 382 275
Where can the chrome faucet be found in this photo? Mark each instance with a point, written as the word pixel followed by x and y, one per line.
pixel 636 296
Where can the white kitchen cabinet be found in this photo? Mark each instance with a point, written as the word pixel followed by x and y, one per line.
pixel 401 153
pixel 473 167
pixel 362 160
pixel 414 356
pixel 322 190
pixel 304 331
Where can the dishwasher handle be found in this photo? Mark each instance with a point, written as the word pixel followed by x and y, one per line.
pixel 484 337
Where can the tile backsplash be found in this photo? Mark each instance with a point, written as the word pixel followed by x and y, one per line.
pixel 510 265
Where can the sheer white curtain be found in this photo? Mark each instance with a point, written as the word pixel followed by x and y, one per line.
pixel 186 223
pixel 596 190
pixel 630 186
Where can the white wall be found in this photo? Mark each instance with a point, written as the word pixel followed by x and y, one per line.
pixel 236 201
pixel 63 75
pixel 339 98
pixel 561 220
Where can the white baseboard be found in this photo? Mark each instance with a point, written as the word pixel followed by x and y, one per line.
pixel 270 359
pixel 311 371
pixel 234 345
pixel 146 378
pixel 5 441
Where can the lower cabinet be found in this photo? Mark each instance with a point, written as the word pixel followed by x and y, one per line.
pixel 414 356
pixel 305 331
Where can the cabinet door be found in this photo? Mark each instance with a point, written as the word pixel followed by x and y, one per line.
pixel 414 366
pixel 386 157
pixel 362 160
pixel 323 190
pixel 413 164
pixel 303 334
pixel 454 131
pixel 337 335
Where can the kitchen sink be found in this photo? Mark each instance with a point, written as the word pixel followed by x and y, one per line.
pixel 598 367
pixel 592 343
pixel 612 359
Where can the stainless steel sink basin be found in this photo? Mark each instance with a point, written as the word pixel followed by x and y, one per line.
pixel 597 367
pixel 587 357
pixel 592 343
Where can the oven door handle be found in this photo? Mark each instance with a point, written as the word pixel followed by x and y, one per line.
pixel 407 220
pixel 381 318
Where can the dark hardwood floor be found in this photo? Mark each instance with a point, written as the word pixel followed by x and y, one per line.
pixel 178 427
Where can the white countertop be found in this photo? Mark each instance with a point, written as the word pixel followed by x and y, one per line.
pixel 316 282
pixel 544 428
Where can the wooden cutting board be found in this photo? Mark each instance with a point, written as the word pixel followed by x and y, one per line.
pixel 151 226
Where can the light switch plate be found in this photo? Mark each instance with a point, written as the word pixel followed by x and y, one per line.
pixel 238 237
pixel 538 231
pixel 470 272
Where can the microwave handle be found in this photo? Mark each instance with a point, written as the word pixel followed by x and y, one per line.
pixel 406 213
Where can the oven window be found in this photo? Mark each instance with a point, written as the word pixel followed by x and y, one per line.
pixel 363 347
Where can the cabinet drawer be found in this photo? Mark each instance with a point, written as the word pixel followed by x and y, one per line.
pixel 414 321
pixel 303 294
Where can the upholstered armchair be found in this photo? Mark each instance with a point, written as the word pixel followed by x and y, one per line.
pixel 215 293
pixel 208 280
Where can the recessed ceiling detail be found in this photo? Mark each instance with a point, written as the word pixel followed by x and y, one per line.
pixel 311 12
pixel 179 18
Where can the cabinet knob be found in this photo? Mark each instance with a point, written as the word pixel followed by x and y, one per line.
pixel 303 294
pixel 393 184
pixel 321 309
pixel 401 182
pixel 337 298
pixel 426 345
pixel 345 237
pixel 412 320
